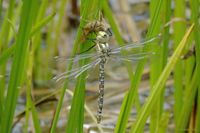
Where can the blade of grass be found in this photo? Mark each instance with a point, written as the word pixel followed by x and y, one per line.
pixel 188 101
pixel 162 128
pixel 35 118
pixel 15 18
pixel 191 90
pixel 135 80
pixel 1 1
pixel 27 82
pixel 179 30
pixel 5 30
pixel 195 18
pixel 164 56
pixel 76 115
pixel 17 72
pixel 166 34
pixel 6 25
pixel 197 127
pixel 51 42
pixel 79 91
pixel 156 67
pixel 89 112
pixel 110 18
pixel 9 51
pixel 31 58
pixel 109 15
pixel 42 23
pixel 30 107
pixel 157 88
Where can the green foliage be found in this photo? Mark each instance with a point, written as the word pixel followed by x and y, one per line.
pixel 30 63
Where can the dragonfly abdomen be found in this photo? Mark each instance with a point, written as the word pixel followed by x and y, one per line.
pixel 101 89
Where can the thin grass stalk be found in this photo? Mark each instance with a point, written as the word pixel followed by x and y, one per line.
pixel 6 25
pixel 191 91
pixel 29 105
pixel 135 80
pixel 41 73
pixel 84 12
pixel 179 30
pixel 15 19
pixel 5 30
pixel 27 81
pixel 76 115
pixel 89 112
pixel 110 18
pixel 109 15
pixel 30 108
pixel 17 72
pixel 35 117
pixel 164 56
pixel 195 18
pixel 155 69
pixel 164 121
pixel 157 89
pixel 37 41
pixel 9 51
pixel 1 3
pixel 188 101
pixel 53 40
pixel 197 121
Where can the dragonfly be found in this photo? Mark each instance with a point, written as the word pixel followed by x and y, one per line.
pixel 104 53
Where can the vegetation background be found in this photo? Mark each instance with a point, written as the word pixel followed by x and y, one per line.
pixel 33 32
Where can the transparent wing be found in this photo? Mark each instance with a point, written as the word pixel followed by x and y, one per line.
pixel 134 45
pixel 77 71
pixel 77 57
pixel 131 57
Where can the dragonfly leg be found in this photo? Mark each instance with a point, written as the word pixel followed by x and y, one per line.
pixel 88 49
pixel 109 32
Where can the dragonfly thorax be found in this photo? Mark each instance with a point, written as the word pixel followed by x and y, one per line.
pixel 102 42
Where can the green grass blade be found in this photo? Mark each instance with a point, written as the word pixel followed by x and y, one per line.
pixel 156 67
pixel 179 30
pixel 36 120
pixel 197 127
pixel 162 127
pixel 5 30
pixel 191 89
pixel 1 1
pixel 157 88
pixel 79 91
pixel 30 107
pixel 42 23
pixel 110 18
pixel 135 80
pixel 188 101
pixel 6 54
pixel 17 71
pixel 76 116
pixel 9 51
pixel 158 107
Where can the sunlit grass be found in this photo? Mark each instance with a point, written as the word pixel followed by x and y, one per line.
pixel 21 41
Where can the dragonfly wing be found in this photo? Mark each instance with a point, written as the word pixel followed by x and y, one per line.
pixel 76 57
pixel 132 57
pixel 76 71
pixel 134 45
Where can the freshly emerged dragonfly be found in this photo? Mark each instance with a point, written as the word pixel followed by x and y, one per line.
pixel 103 54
